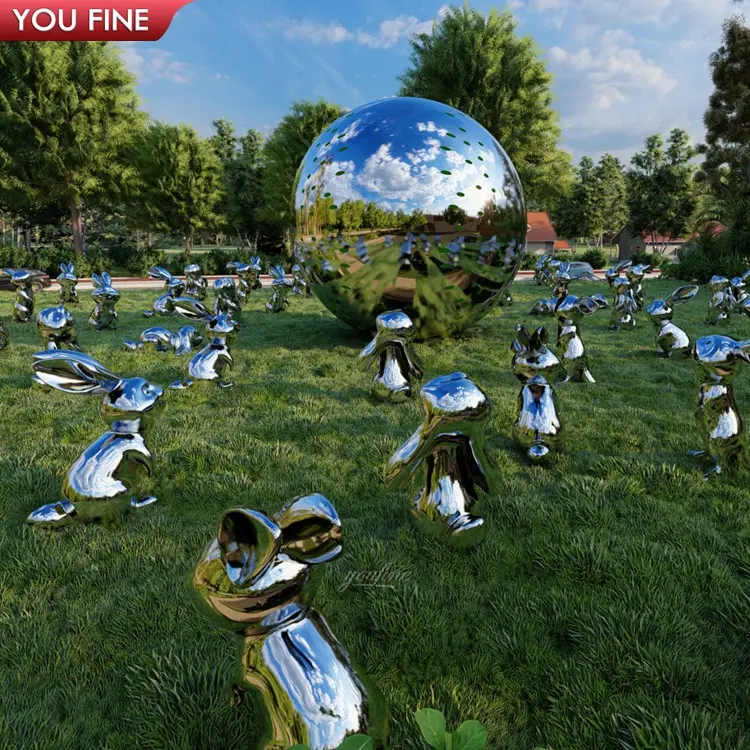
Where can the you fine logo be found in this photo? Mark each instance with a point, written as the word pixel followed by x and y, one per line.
pixel 385 578
pixel 86 20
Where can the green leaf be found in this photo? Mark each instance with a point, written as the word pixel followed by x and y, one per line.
pixel 357 742
pixel 432 725
pixel 471 735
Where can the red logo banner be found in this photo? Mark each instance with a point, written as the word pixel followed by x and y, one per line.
pixel 86 20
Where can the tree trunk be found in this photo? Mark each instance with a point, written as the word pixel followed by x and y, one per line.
pixel 188 247
pixel 75 220
pixel 150 240
pixel 27 237
pixel 217 239
pixel 138 240
pixel 4 227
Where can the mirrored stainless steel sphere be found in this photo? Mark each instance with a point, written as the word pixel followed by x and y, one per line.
pixel 408 204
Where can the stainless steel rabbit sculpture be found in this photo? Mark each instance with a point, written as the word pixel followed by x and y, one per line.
pixel 106 297
pixel 613 273
pixel 111 477
pixel 257 579
pixel 214 361
pixel 624 307
pixel 721 302
pixel 279 299
pixel 717 359
pixel 447 454
pixel 22 281
pixel 163 340
pixel 541 270
pixel 570 349
pixel 227 299
pixel 737 290
pixel 249 276
pixel 563 275
pixel 174 287
pixel 195 284
pixel 635 275
pixel 58 328
pixel 537 428
pixel 393 350
pixel 300 286
pixel 68 281
pixel 669 338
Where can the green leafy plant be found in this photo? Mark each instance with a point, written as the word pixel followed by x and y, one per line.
pixel 355 742
pixel 471 735
pixel 595 257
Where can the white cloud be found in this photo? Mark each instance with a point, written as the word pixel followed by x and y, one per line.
pixel 317 33
pixel 221 77
pixel 150 64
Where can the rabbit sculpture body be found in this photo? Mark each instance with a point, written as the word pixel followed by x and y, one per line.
pixel 670 340
pixel 721 302
pixel 570 348
pixel 163 340
pixel 624 307
pixel 111 476
pixel 717 360
pixel 447 454
pixel 279 299
pixel 227 299
pixel 256 579
pixel 58 328
pixel 636 274
pixel 214 362
pixel 22 280
pixel 105 296
pixel 174 288
pixel 562 277
pixel 393 350
pixel 249 276
pixel 68 282
pixel 195 284
pixel 537 428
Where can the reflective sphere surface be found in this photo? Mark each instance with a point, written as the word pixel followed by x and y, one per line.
pixel 408 204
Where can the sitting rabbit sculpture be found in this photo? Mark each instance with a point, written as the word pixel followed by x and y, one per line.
pixel 540 270
pixel 624 307
pixel 737 290
pixel 163 340
pixel 392 347
pixel 227 300
pixel 68 281
pixel 58 328
pixel 446 452
pixel 570 350
pixel 256 579
pixel 300 286
pixel 249 276
pixel 537 428
pixel 195 284
pixel 279 300
pixel 174 288
pixel 106 297
pixel 613 273
pixel 22 280
pixel 717 359
pixel 721 301
pixel 635 275
pixel 109 477
pixel 669 338
pixel 213 361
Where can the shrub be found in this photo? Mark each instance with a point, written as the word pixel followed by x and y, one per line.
pixel 655 260
pixel 139 262
pixel 529 260
pixel 595 257
pixel 564 255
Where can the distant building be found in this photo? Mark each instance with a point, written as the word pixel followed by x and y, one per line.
pixel 541 236
pixel 631 243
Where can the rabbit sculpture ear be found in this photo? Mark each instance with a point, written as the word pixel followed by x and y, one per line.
pixel 521 342
pixel 73 372
pixel 248 543
pixel 538 339
pixel 8 272
pixel 64 267
pixel 97 280
pixel 683 294
pixel 192 309
pixel 311 530
pixel 157 272
pixel 106 278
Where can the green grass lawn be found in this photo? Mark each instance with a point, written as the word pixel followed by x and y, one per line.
pixel 609 606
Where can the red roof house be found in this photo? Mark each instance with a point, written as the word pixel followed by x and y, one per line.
pixel 541 235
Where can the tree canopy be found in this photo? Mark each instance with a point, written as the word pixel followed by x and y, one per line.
pixel 481 66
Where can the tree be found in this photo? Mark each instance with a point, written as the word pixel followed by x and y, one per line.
pixel 283 153
pixel 661 189
pixel 67 110
pixel 611 196
pixel 180 178
pixel 579 213
pixel 727 120
pixel 480 66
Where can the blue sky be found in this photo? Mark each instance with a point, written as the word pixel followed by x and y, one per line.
pixel 623 68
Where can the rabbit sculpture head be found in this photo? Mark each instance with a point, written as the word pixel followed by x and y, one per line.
pixel 195 284
pixel 244 272
pixel 106 480
pixel 737 290
pixel 669 338
pixel 174 286
pixel 22 280
pixel 106 297
pixel 446 452
pixel 392 348
pixel 58 328
pixel 68 281
pixel 215 359
pixel 279 299
pixel 532 357
pixel 540 268
pixel 625 305
pixel 612 273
